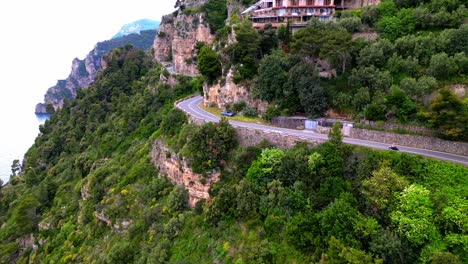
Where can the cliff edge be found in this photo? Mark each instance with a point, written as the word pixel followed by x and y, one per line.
pixel 177 36
pixel 83 71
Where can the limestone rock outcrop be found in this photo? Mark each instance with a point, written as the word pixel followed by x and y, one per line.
pixel 177 36
pixel 179 173
pixel 81 75
pixel 223 93
pixel 83 71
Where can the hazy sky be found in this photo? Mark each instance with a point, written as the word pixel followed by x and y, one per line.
pixel 39 40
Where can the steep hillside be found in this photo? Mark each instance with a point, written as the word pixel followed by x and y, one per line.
pixel 178 34
pixel 96 187
pixel 398 62
pixel 83 71
pixel 118 175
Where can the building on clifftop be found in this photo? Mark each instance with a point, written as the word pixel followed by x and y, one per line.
pixel 277 12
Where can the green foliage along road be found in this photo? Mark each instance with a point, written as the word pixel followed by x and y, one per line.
pixel 419 48
pixel 87 191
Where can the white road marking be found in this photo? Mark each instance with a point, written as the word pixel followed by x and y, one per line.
pixel 191 107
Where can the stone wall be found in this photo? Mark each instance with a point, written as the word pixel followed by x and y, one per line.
pixel 289 122
pixel 251 137
pixel 389 127
pixel 430 143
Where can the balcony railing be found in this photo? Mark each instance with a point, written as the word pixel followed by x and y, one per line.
pixel 301 12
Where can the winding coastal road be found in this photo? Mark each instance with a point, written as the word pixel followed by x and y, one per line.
pixel 192 107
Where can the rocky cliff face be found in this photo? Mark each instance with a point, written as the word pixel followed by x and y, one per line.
pixel 179 173
pixel 83 71
pixel 227 92
pixel 177 36
pixel 81 75
pixel 174 48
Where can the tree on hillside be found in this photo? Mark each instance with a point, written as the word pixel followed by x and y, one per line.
pixel 210 144
pixel 413 216
pixel 457 39
pixel 442 66
pixel 449 115
pixel 334 136
pixel 307 41
pixel 336 47
pixel 284 36
pixel 245 52
pixel 380 188
pixel 208 64
pixel 272 74
pixel 268 39
pixel 15 167
pixel 400 105
pixel 417 89
pixel 324 40
pixel 216 14
pixel 370 77
pixel 303 81
pixel 351 23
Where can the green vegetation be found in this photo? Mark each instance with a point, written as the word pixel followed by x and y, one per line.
pixel 208 146
pixel 245 117
pixel 88 192
pixel 142 41
pixel 208 64
pixel 216 13
pixel 420 49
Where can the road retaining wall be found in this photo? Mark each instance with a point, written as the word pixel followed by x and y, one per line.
pixel 250 137
pixel 429 143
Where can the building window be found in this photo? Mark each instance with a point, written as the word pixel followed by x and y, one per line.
pixel 294 2
pixel 324 11
pixel 310 2
pixel 327 2
pixel 295 11
pixel 279 2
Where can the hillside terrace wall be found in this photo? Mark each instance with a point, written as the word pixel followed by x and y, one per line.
pixel 287 122
pixel 423 131
pixel 429 143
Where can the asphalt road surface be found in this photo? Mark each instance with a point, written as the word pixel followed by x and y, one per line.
pixel 191 107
